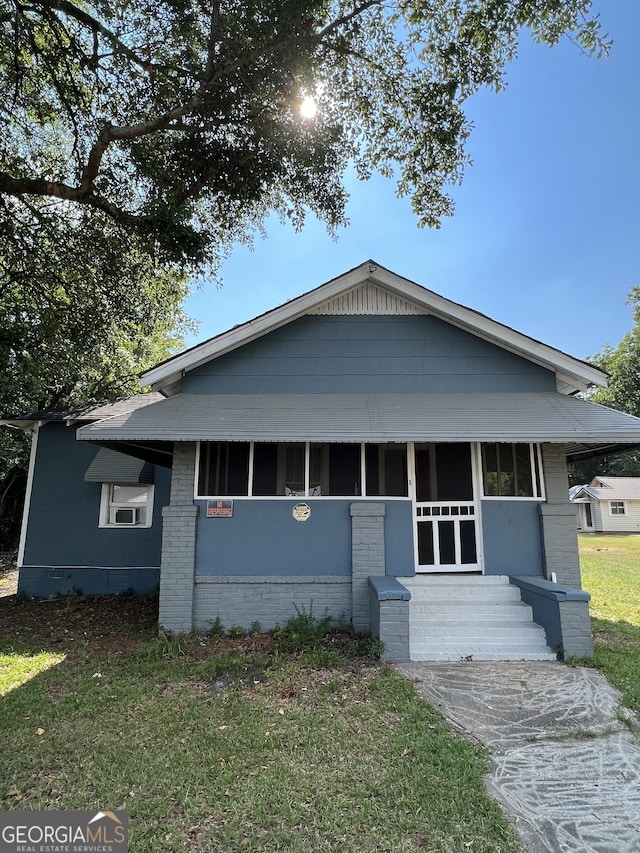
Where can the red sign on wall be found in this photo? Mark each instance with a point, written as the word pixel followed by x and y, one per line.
pixel 219 509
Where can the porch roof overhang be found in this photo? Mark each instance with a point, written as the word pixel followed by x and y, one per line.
pixel 542 417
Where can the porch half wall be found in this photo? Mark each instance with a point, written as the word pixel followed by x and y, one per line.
pixel 262 564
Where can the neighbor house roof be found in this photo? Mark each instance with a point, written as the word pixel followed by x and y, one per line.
pixel 613 489
pixel 544 416
pixel 370 288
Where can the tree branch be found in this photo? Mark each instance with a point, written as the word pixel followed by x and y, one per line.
pixel 92 23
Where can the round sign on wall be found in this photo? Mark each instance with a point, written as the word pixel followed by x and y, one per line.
pixel 301 512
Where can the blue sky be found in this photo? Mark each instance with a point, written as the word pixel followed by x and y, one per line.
pixel 546 233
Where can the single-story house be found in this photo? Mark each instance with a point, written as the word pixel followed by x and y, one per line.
pixel 370 449
pixel 608 505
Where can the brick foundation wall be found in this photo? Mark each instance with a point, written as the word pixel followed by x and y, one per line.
pixel 240 601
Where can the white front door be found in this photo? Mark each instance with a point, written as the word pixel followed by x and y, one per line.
pixel 445 508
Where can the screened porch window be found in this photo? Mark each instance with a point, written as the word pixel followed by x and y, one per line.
pixel 511 470
pixel 331 469
pixel 224 468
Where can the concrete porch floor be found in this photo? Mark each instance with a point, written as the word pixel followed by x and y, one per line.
pixel 563 765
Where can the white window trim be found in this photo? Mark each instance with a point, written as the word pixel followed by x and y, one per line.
pixel 618 514
pixel 103 518
pixel 307 444
pixel 534 448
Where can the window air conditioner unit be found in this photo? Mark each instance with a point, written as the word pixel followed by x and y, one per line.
pixel 126 516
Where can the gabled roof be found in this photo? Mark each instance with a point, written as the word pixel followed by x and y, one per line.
pixel 369 289
pixel 613 489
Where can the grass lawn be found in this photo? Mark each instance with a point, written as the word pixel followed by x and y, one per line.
pixel 226 744
pixel 611 573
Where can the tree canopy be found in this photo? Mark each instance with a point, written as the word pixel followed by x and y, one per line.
pixel 141 139
pixel 180 120
pixel 622 363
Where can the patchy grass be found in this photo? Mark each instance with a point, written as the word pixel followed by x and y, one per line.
pixel 611 573
pixel 16 669
pixel 220 744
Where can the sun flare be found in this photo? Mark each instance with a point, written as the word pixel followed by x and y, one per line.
pixel 308 107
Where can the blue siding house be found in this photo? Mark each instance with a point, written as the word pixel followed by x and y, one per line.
pixel 369 448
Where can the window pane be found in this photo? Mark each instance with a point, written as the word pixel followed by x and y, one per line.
pixel 265 469
pixel 291 465
pixel 127 505
pixel 425 485
pixel 425 543
pixel 224 468
pixel 507 471
pixel 129 495
pixel 468 542
pixel 490 469
pixel 523 469
pixel 453 472
pixel 317 469
pixel 446 535
pixel 344 470
pixel 386 470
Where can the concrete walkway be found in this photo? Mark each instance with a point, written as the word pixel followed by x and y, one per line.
pixel 564 766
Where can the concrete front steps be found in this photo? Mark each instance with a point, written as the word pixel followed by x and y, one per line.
pixel 471 617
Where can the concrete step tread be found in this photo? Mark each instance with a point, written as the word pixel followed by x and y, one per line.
pixel 480 629
pixel 465 646
pixel 481 655
pixel 488 594
pixel 454 580
pixel 464 606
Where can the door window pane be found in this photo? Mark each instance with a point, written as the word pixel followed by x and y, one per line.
pixel 386 470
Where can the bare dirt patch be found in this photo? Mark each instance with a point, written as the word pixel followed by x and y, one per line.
pixel 112 623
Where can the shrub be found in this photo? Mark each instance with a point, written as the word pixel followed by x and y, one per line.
pixel 303 632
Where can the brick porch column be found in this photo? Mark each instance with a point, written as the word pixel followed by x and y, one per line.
pixel 558 520
pixel 179 522
pixel 367 556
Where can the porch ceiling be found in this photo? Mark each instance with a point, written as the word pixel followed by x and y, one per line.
pixel 547 416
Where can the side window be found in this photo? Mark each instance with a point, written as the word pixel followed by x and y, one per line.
pixel 511 471
pixel 126 505
pixel 617 508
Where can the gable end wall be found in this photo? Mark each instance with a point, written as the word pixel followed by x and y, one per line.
pixel 368 354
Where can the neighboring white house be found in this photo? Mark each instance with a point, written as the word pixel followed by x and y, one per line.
pixel 608 505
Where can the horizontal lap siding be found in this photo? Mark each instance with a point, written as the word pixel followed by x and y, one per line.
pixel 262 538
pixel 511 538
pixel 629 523
pixel 63 517
pixel 368 355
